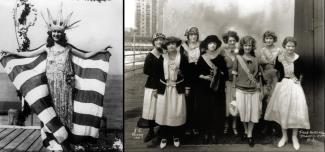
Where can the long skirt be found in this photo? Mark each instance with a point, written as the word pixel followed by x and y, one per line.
pixel 148 110
pixel 171 108
pixel 249 105
pixel 288 106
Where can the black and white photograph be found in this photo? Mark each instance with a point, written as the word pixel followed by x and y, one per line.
pixel 224 75
pixel 61 75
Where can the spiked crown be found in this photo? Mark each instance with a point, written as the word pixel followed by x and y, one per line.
pixel 60 23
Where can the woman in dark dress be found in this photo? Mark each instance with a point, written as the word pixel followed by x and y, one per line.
pixel 150 91
pixel 190 48
pixel 211 108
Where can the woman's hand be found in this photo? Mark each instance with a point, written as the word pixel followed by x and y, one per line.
pixel 154 92
pixel 187 91
pixel 206 77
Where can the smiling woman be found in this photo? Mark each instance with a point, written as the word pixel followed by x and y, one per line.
pixel 54 79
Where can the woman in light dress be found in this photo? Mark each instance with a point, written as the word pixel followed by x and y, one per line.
pixel 172 88
pixel 287 105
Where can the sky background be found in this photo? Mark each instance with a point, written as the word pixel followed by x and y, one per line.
pixel 101 25
pixel 247 17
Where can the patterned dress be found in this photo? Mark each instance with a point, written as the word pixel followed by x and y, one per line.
pixel 58 68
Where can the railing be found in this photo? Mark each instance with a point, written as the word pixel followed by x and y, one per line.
pixel 134 57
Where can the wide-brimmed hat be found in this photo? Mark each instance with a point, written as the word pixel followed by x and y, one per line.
pixel 191 30
pixel 171 39
pixel 209 39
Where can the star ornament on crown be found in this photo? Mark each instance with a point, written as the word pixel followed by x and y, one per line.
pixel 60 23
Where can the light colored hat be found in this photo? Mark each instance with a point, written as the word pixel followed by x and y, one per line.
pixel 192 30
pixel 60 23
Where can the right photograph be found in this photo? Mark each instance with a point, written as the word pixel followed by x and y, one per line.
pixel 224 75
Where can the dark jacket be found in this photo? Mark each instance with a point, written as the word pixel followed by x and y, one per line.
pixel 298 68
pixel 151 65
pixel 182 75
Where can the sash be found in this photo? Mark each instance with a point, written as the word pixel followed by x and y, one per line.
pixel 214 84
pixel 245 68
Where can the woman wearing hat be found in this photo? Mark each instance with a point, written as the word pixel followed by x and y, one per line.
pixel 212 73
pixel 151 65
pixel 173 85
pixel 190 48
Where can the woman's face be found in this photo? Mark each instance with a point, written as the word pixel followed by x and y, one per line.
pixel 212 46
pixel 290 47
pixel 158 42
pixel 269 40
pixel 232 42
pixel 193 37
pixel 56 35
pixel 247 48
pixel 171 47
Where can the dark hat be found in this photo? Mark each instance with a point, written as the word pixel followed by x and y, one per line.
pixel 208 39
pixel 192 30
pixel 171 39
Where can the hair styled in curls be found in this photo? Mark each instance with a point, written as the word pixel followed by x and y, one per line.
pixel 289 39
pixel 62 41
pixel 247 40
pixel 270 34
pixel 226 36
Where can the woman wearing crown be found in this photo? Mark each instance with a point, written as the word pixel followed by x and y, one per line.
pixel 59 69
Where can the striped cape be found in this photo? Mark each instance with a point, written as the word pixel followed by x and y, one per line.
pixel 28 76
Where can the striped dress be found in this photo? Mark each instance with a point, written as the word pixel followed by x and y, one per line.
pixel 29 75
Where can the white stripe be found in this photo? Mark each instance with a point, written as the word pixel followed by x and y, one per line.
pixel 87 108
pixel 61 134
pixel 16 62
pixel 85 131
pixel 37 93
pixel 89 85
pixel 47 115
pixel 93 64
pixel 22 77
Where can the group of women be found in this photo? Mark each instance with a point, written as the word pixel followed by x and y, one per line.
pixel 196 86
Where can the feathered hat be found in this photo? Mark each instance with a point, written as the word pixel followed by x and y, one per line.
pixel 60 23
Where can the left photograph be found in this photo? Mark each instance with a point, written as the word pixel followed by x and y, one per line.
pixel 61 75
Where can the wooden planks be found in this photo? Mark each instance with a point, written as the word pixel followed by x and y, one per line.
pixel 29 140
pixel 19 139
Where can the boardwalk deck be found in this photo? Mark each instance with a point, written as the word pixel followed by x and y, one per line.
pixel 133 107
pixel 20 139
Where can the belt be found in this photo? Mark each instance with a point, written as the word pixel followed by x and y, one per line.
pixel 173 84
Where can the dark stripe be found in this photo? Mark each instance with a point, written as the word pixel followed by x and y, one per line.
pixel 54 124
pixel 49 137
pixel 90 73
pixel 41 104
pixel 76 139
pixel 88 97
pixel 21 68
pixel 86 120
pixel 6 59
pixel 33 83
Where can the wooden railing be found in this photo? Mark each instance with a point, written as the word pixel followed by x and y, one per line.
pixel 134 56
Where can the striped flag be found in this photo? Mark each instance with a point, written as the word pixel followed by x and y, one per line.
pixel 28 76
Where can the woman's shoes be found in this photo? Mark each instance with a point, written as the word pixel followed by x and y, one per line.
pixel 235 131
pixel 282 142
pixel 251 142
pixel 163 143
pixel 295 143
pixel 177 142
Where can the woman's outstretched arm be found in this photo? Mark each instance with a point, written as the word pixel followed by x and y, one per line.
pixel 29 53
pixel 84 54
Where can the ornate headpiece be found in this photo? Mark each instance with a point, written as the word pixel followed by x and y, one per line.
pixel 59 23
